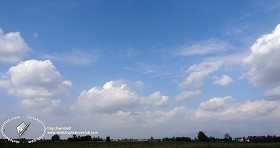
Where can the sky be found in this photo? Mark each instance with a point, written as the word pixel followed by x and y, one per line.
pixel 134 68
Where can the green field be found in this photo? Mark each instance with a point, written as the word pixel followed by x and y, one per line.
pixel 139 145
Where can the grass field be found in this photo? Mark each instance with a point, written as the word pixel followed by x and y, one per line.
pixel 139 145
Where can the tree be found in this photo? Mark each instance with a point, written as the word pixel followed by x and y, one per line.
pixel 108 139
pixel 227 137
pixel 75 137
pixel 202 137
pixel 55 137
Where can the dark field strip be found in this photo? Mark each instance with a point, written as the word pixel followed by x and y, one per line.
pixel 139 145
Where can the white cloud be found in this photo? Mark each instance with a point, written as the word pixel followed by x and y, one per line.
pixel 273 94
pixel 263 60
pixel 113 96
pixel 34 78
pixel 35 82
pixel 227 108
pixel 205 47
pixel 76 57
pixel 12 47
pixel 259 108
pixel 197 74
pixel 155 99
pixel 216 103
pixel 224 80
pixel 185 95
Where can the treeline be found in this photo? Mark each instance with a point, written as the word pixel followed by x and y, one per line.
pixel 177 139
pixel 77 138
pixel 264 139
pixel 201 137
pixel 84 138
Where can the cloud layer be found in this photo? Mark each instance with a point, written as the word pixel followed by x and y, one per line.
pixel 41 87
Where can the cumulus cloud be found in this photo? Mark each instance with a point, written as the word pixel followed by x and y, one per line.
pixel 35 82
pixel 34 78
pixel 263 60
pixel 216 103
pixel 155 99
pixel 228 108
pixel 112 97
pixel 198 72
pixel 12 47
pixel 205 47
pixel 185 95
pixel 223 80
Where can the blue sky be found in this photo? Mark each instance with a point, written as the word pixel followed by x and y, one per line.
pixel 151 68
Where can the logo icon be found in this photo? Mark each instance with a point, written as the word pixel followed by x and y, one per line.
pixel 22 127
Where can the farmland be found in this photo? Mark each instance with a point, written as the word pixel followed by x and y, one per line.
pixel 64 144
